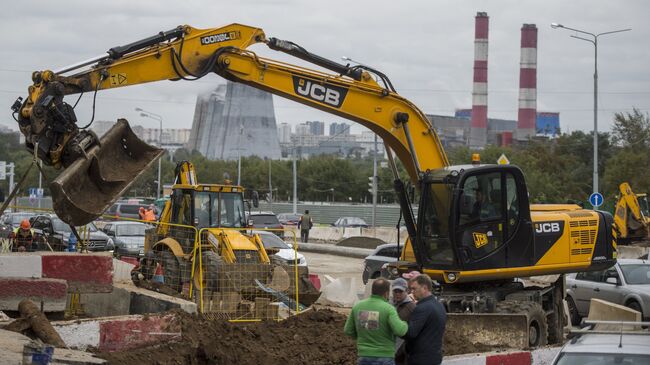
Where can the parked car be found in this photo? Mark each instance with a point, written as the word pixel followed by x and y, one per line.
pixel 350 222
pixel 49 228
pixel 10 221
pixel 125 210
pixel 383 254
pixel 600 348
pixel 266 220
pixel 279 250
pixel 127 236
pixel 289 219
pixel 626 283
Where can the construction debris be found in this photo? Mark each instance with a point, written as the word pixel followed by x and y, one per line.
pixel 31 318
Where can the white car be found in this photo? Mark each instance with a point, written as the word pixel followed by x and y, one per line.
pixel 280 250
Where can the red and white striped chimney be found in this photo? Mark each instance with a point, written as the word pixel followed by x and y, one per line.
pixel 527 116
pixel 478 130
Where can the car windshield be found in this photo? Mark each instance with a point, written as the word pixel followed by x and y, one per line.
pixel 569 358
pixel 219 209
pixel 264 219
pixel 130 229
pixel 272 241
pixel 636 274
pixel 60 226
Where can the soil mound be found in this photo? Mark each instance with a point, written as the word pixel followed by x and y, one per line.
pixel 361 242
pixel 315 337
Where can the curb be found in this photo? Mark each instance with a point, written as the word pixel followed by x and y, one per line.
pixel 326 248
pixel 119 333
pixel 543 356
pixel 84 273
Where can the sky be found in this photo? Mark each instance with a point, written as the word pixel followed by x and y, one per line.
pixel 426 48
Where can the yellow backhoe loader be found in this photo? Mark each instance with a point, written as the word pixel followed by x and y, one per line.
pixel 631 215
pixel 475 232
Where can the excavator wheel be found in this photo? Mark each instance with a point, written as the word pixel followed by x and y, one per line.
pixel 171 270
pixel 212 269
pixel 537 325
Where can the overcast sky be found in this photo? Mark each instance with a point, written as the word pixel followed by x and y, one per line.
pixel 426 47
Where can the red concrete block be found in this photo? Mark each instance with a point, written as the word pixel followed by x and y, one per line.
pixel 126 334
pixel 85 273
pixel 50 292
pixel 513 358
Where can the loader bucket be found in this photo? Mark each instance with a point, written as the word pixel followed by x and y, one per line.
pixel 480 332
pixel 84 190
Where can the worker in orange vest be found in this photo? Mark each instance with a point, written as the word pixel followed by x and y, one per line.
pixel 147 214
pixel 23 237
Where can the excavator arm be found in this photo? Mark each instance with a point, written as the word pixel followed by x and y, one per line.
pixel 630 220
pixel 188 53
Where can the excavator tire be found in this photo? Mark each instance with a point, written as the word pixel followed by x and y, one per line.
pixel 537 325
pixel 212 272
pixel 171 270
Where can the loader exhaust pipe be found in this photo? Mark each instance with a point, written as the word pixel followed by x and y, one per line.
pixel 86 188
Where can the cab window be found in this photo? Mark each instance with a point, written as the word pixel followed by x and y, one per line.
pixel 481 200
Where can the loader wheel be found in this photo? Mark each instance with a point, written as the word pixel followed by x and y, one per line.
pixel 171 270
pixel 212 270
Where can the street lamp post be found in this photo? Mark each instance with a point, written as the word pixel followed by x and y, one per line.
pixel 594 41
pixel 147 114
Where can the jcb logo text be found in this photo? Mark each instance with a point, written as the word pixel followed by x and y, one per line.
pixel 547 227
pixel 321 92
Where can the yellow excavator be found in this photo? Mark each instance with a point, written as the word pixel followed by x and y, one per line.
pixel 631 215
pixel 475 232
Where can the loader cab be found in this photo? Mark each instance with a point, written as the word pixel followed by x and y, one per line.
pixel 208 206
pixel 474 218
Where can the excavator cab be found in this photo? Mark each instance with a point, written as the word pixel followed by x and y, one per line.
pixel 476 222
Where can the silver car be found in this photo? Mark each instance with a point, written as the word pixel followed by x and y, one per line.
pixel 605 349
pixel 626 283
pixel 128 237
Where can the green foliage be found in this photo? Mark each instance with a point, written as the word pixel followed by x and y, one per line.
pixel 557 170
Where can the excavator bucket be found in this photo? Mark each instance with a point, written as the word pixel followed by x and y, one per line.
pixel 84 190
pixel 486 331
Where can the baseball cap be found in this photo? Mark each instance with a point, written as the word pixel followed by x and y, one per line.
pixel 411 274
pixel 400 284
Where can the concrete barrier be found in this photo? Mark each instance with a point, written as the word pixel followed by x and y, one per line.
pixel 128 299
pixel 118 333
pixel 543 356
pixel 84 273
pixel 334 250
pixel 50 294
pixel 601 310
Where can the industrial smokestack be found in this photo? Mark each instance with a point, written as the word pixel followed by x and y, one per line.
pixel 527 115
pixel 478 131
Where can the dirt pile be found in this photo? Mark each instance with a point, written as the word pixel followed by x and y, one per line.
pixel 315 337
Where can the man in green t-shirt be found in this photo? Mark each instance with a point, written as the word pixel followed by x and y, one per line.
pixel 374 323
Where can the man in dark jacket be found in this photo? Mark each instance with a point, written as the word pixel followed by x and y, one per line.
pixel 426 325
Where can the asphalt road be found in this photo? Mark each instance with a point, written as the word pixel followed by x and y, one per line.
pixel 335 266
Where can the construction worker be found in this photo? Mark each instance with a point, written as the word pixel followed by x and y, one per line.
pixel 374 323
pixel 304 224
pixel 404 305
pixel 147 214
pixel 23 237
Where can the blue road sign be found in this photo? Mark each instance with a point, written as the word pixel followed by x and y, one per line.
pixel 596 199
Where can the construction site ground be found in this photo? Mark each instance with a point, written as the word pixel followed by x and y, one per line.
pixel 313 337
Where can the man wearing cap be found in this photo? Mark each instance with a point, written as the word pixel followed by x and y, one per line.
pixel 426 325
pixel 404 306
pixel 374 323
